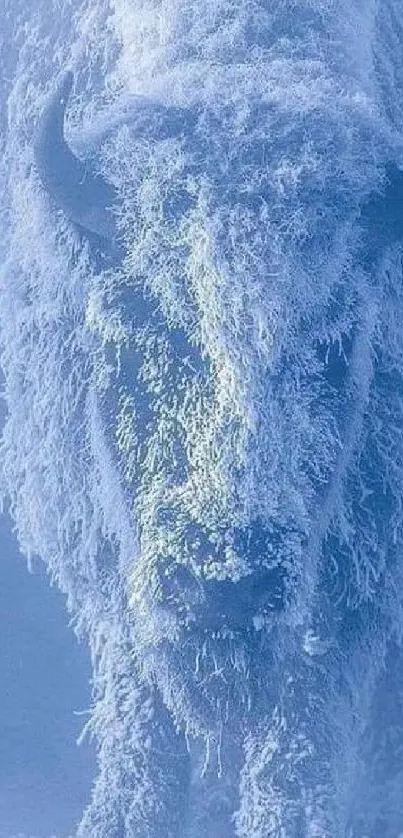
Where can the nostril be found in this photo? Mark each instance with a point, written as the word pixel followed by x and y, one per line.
pixel 268 587
pixel 235 604
pixel 178 586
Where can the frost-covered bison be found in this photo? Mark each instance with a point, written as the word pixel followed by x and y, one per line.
pixel 218 481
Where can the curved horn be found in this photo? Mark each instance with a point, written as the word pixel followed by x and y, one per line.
pixel 86 197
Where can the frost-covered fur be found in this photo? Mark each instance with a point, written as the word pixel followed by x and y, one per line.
pixel 204 442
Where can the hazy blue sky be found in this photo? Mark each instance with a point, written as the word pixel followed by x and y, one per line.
pixel 44 777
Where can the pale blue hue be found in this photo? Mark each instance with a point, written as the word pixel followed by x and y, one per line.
pixel 44 776
pixel 204 433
